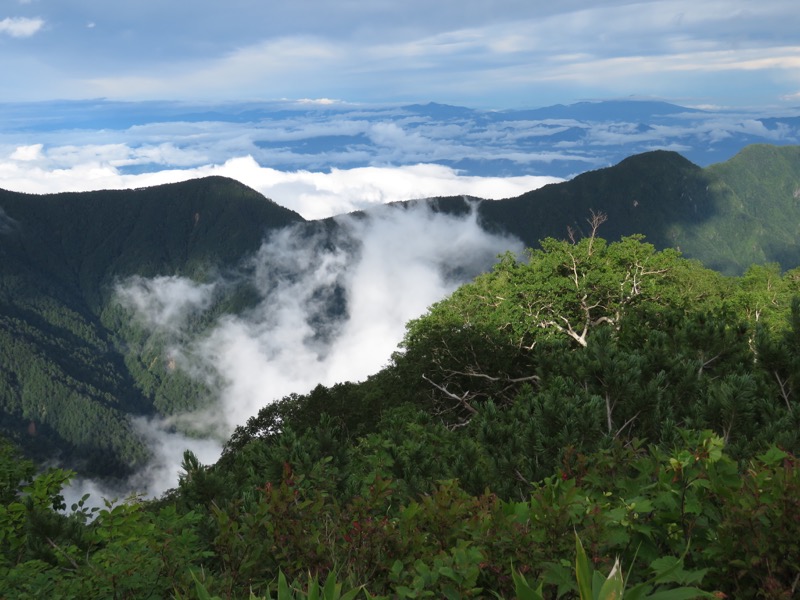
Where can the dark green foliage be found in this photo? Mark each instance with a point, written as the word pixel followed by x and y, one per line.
pixel 729 216
pixel 69 348
pixel 681 517
pixel 87 240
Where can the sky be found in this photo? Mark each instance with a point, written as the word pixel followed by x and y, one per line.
pixel 499 54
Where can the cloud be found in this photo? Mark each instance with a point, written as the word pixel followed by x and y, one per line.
pixel 21 27
pixel 35 169
pixel 164 303
pixel 27 153
pixel 333 309
pixel 253 70
pixel 511 52
pixel 333 305
pixel 319 101
pixel 166 446
pixel 319 195
pixel 499 56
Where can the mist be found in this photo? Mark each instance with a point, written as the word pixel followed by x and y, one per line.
pixel 333 302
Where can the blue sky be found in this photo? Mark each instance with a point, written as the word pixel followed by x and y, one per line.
pixel 499 54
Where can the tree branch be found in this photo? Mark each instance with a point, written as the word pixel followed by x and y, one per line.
pixel 462 400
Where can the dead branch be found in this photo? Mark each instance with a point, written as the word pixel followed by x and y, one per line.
pixel 462 400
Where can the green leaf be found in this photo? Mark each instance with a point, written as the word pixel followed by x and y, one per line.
pixel 772 456
pixel 313 588
pixel 284 592
pixel 523 589
pixel 200 589
pixel 583 572
pixel 329 591
pixel 613 586
pixel 351 594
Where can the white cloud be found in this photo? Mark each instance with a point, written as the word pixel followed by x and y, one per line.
pixel 474 58
pixel 509 52
pixel 278 348
pixel 290 342
pixel 255 70
pixel 319 195
pixel 164 303
pixel 21 27
pixel 319 101
pixel 161 473
pixel 313 194
pixel 27 153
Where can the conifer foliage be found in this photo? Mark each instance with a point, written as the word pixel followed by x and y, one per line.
pixel 606 390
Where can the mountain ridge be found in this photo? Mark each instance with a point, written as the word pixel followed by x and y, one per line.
pixel 62 255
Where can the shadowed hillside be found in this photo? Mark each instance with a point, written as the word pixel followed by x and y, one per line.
pixel 84 240
pixel 71 369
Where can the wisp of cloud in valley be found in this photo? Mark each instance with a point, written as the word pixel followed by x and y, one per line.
pixel 332 306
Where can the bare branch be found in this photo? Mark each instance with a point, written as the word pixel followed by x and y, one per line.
pixel 571 235
pixel 462 400
pixel 625 424
pixel 706 363
pixel 490 378
pixel 597 219
pixel 786 389
pixel 58 549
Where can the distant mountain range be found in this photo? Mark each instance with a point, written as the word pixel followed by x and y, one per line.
pixel 74 367
pixel 560 140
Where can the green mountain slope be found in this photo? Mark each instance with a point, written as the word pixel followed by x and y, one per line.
pixel 763 183
pixel 74 368
pixel 611 391
pixel 85 240
pixel 71 368
pixel 730 215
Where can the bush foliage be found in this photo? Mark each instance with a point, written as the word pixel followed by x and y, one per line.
pixel 605 390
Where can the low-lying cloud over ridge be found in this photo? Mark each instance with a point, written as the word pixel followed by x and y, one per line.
pixel 314 195
pixel 324 159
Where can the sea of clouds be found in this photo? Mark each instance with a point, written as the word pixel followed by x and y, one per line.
pixel 314 195
pixel 322 159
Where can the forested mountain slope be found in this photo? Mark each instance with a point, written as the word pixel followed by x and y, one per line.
pixel 729 215
pixel 74 367
pixel 82 241
pixel 65 384
pixel 611 392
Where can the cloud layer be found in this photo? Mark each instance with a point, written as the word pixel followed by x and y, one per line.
pixel 322 158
